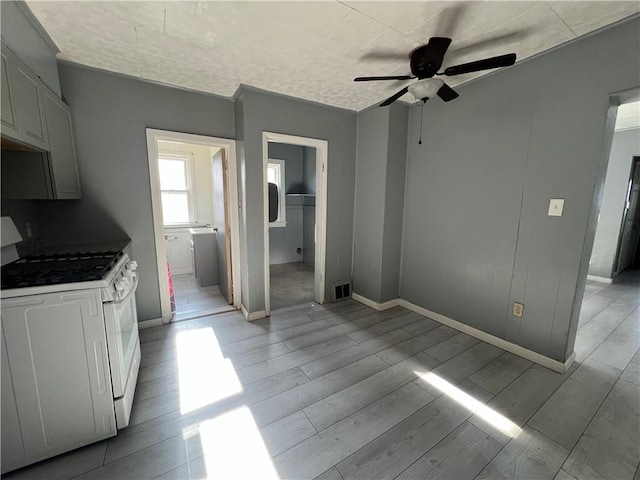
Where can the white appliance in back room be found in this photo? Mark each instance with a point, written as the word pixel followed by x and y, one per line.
pixel 70 347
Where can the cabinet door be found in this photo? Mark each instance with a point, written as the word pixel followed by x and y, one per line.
pixel 12 445
pixel 57 353
pixel 9 124
pixel 27 99
pixel 178 247
pixel 64 168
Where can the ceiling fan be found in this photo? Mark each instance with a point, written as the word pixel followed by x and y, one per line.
pixel 426 60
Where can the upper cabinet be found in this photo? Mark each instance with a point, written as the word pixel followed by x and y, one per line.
pixel 35 118
pixel 62 154
pixel 8 120
pixel 24 91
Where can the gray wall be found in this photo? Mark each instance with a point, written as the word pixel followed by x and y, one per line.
pixel 394 202
pixel 20 33
pixel 603 256
pixel 220 221
pixel 476 233
pixel 309 206
pixel 373 137
pixel 267 112
pixel 309 169
pixel 380 177
pixel 110 115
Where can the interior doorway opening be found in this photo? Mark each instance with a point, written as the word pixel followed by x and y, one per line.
pixel 295 170
pixel 193 189
pixel 618 227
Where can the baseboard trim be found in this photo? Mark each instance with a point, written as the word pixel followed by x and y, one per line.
pixel 251 316
pixel 376 306
pixel 595 278
pixel 535 357
pixel 154 322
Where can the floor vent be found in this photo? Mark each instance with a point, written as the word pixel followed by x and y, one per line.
pixel 341 290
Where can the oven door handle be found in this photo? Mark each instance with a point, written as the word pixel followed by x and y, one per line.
pixel 128 296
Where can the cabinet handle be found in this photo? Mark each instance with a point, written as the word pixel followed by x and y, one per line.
pixel 166 237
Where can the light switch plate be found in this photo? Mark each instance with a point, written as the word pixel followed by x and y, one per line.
pixel 556 205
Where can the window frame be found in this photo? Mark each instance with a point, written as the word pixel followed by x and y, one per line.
pixel 187 159
pixel 282 200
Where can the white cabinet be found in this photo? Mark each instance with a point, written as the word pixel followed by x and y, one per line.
pixel 56 385
pixel 35 121
pixel 24 121
pixel 178 246
pixel 8 118
pixel 62 153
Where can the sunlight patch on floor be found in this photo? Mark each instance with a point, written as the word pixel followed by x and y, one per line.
pixel 233 448
pixel 496 420
pixel 205 376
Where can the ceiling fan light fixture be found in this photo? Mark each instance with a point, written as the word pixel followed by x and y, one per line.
pixel 425 88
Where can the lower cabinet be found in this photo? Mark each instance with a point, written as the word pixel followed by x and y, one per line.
pixel 178 247
pixel 56 385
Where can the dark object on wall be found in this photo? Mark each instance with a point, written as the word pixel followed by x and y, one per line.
pixel 273 202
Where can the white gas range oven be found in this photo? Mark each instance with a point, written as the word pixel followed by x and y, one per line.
pixel 70 351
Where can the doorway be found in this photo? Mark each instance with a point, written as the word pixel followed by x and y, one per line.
pixel 295 179
pixel 617 229
pixel 193 189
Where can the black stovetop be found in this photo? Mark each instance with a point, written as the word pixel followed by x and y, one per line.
pixel 37 270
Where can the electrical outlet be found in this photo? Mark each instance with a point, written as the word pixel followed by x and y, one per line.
pixel 518 309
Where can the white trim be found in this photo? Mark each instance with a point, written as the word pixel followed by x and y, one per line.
pixel 595 278
pixel 282 200
pixel 535 357
pixel 322 163
pixel 229 146
pixel 376 306
pixel 253 315
pixel 154 322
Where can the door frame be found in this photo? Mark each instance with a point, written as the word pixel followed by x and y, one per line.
pixel 229 147
pixel 322 149
pixel 635 165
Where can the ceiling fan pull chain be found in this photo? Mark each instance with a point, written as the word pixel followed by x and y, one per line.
pixel 421 117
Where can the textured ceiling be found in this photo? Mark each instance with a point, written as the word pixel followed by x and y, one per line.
pixel 309 50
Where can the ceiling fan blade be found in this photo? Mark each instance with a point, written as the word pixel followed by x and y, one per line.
pixel 486 64
pixel 389 77
pixel 426 60
pixel 385 55
pixel 446 93
pixel 449 19
pixel 394 97
pixel 460 48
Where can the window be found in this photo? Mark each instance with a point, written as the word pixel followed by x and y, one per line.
pixel 275 174
pixel 176 188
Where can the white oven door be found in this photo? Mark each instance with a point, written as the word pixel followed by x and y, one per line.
pixel 122 337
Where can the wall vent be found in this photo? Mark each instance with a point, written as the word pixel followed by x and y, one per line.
pixel 341 290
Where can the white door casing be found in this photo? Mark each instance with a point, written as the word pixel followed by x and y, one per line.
pixel 229 146
pixel 322 148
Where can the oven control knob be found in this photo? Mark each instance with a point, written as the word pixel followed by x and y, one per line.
pixel 132 266
pixel 121 284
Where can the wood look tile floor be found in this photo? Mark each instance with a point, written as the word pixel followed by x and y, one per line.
pixel 341 391
pixel 194 301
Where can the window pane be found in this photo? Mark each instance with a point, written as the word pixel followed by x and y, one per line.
pixel 173 174
pixel 175 207
pixel 272 175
